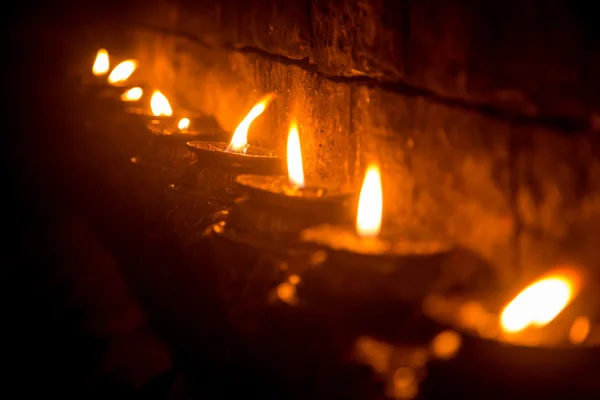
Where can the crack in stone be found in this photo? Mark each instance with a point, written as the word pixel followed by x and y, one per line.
pixel 565 125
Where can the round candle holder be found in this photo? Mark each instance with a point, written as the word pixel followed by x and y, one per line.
pixel 273 207
pixel 556 361
pixel 206 190
pixel 394 268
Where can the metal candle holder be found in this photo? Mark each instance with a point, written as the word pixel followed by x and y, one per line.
pixel 542 365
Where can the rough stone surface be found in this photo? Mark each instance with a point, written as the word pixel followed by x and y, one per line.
pixel 535 59
pixel 558 198
pixel 354 38
pixel 445 171
pixel 523 196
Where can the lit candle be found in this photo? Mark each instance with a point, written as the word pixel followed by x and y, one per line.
pixel 239 140
pixel 366 238
pixel 133 94
pixel 209 183
pixel 282 205
pixel 166 151
pixel 121 73
pixel 159 116
pixel 114 85
pixel 543 328
pixel 238 150
pixel 101 63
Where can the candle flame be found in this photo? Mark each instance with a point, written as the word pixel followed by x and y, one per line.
pixel 160 105
pixel 294 157
pixel 133 94
pixel 122 72
pixel 239 140
pixel 539 303
pixel 370 204
pixel 183 124
pixel 101 64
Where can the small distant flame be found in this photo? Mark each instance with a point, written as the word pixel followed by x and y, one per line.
pixel 294 157
pixel 101 64
pixel 160 105
pixel 539 303
pixel 370 204
pixel 183 124
pixel 239 140
pixel 122 72
pixel 133 94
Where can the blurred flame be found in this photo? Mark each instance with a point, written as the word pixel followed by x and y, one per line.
pixel 122 72
pixel 101 64
pixel 184 123
pixel 370 204
pixel 539 303
pixel 294 157
pixel 239 140
pixel 160 105
pixel 133 94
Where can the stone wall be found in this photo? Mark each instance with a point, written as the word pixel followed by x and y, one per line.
pixel 482 116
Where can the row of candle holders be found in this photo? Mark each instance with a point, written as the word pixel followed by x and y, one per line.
pixel 325 301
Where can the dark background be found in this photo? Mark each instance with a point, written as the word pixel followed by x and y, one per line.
pixel 70 325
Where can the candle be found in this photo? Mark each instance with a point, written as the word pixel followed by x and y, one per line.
pixel 158 116
pixel 369 276
pixel 542 342
pixel 280 206
pixel 207 187
pixel 365 239
pixel 101 83
pixel 133 94
pixel 101 63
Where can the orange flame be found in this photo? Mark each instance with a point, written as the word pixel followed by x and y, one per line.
pixel 122 72
pixel 539 303
pixel 239 140
pixel 133 94
pixel 101 64
pixel 370 204
pixel 294 157
pixel 183 124
pixel 159 104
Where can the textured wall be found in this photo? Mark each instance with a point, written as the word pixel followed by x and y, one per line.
pixel 483 117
